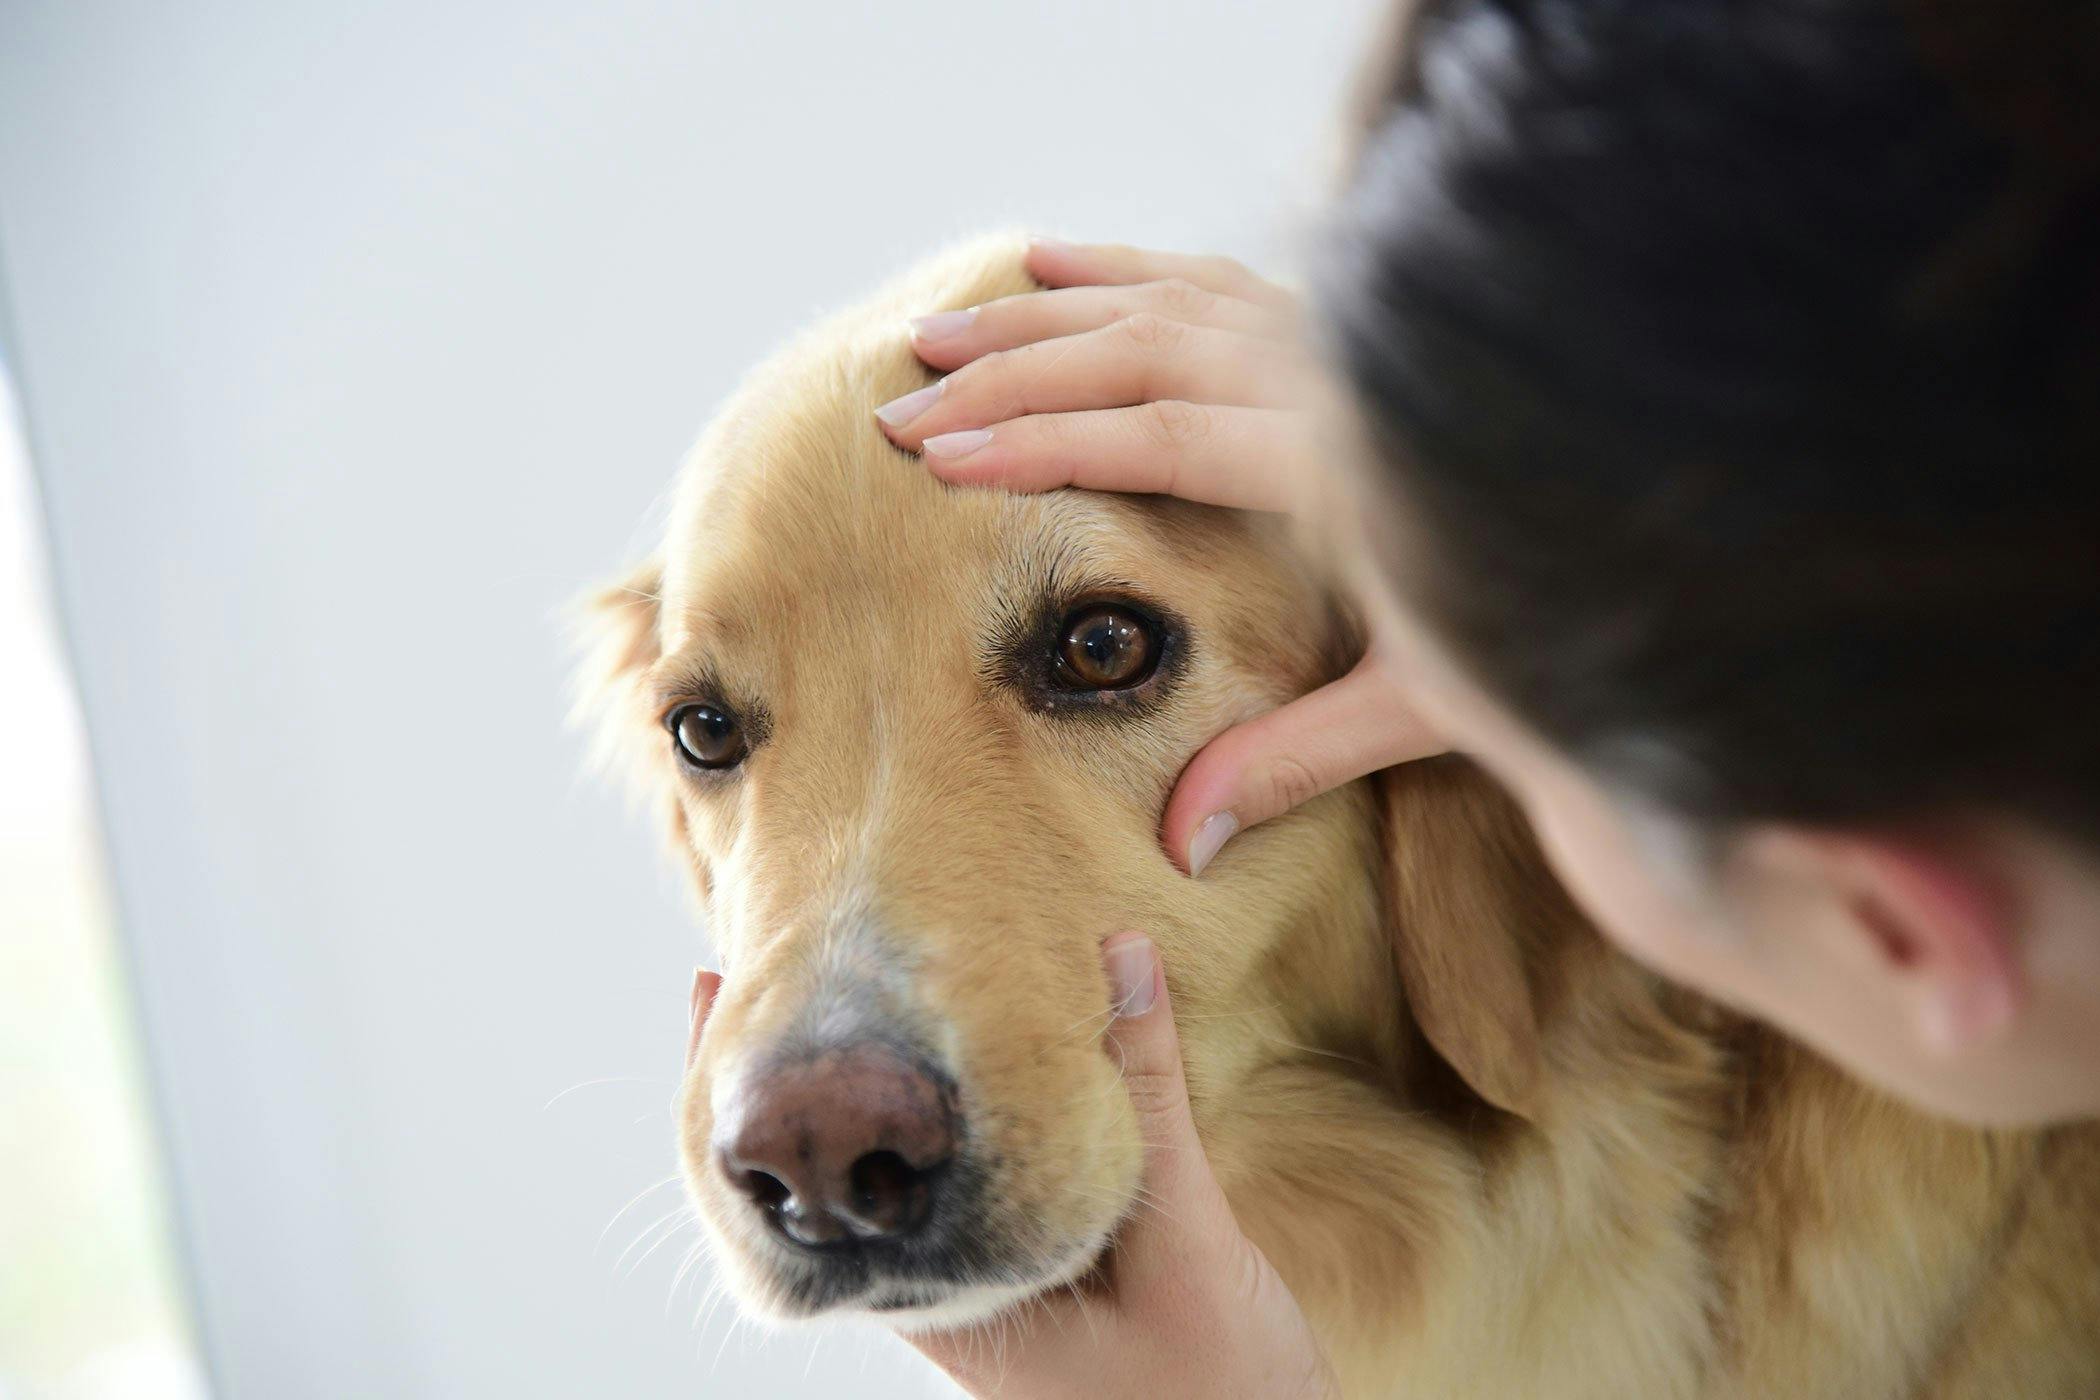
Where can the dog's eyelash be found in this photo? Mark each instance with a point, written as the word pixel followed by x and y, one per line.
pixel 695 686
pixel 1022 658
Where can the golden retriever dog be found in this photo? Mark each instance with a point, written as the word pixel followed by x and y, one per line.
pixel 913 742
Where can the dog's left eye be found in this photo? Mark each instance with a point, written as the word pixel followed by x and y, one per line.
pixel 708 736
pixel 1104 647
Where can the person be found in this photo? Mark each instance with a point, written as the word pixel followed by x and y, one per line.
pixel 1723 386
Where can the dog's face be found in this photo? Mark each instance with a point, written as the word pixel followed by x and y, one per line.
pixel 914 743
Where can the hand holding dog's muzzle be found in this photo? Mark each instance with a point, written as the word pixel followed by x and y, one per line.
pixel 1185 1305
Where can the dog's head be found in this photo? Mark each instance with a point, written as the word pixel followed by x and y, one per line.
pixel 913 743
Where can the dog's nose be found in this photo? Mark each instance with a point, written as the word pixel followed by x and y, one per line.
pixel 848 1145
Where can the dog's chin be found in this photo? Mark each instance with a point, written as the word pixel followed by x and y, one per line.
pixel 921 1304
pixel 918 1307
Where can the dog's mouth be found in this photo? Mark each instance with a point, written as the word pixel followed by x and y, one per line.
pixel 910 1297
pixel 859 1175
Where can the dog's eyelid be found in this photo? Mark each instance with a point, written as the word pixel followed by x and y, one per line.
pixel 1026 661
pixel 684 679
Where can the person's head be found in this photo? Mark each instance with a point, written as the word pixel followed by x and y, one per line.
pixel 1731 374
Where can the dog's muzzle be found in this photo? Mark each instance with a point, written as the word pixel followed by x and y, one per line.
pixel 856 1158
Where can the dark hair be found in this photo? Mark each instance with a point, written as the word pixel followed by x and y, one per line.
pixel 1735 369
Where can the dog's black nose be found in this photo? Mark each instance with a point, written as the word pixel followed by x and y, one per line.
pixel 848 1145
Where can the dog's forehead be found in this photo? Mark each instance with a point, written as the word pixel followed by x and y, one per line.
pixel 831 523
pixel 796 517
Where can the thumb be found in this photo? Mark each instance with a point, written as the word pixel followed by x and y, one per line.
pixel 1265 767
pixel 1185 1213
pixel 701 1002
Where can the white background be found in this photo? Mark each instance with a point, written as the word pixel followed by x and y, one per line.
pixel 356 339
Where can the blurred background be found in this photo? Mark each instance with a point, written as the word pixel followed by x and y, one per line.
pixel 339 1009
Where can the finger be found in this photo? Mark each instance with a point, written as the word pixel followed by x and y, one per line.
pixel 1356 725
pixel 1184 1218
pixel 1056 263
pixel 948 339
pixel 1132 361
pixel 1059 1345
pixel 1049 1345
pixel 1248 458
pixel 705 985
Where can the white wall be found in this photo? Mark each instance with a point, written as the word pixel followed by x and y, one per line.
pixel 355 339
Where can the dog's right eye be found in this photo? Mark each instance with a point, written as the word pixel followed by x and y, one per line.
pixel 1105 647
pixel 707 736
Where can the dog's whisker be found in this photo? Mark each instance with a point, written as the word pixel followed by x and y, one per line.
pixel 671 1218
pixel 1005 1321
pixel 1102 1017
pixel 633 1201
pixel 1140 1200
pixel 1316 1050
pixel 1231 1015
pixel 1086 1314
pixel 710 1303
pixel 595 1083
pixel 727 1333
pixel 685 1218
pixel 686 1261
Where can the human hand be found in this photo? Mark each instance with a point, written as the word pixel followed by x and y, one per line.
pixel 1170 374
pixel 1186 1305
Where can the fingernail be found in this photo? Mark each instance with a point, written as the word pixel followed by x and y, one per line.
pixel 953 445
pixel 705 984
pixel 898 412
pixel 1959 1017
pixel 939 325
pixel 1050 245
pixel 1217 829
pixel 1133 973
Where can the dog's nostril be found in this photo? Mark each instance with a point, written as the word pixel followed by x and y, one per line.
pixel 766 1191
pixel 889 1193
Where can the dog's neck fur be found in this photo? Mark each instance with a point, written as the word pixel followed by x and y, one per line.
pixel 1739 1189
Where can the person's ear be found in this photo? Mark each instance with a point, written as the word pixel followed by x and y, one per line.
pixel 1472 906
pixel 1929 917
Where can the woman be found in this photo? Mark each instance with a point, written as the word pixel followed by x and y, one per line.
pixel 1727 385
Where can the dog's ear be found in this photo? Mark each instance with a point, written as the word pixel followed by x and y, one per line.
pixel 617 628
pixel 619 632
pixel 1473 907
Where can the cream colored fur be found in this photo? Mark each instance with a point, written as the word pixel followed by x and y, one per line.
pixel 1505 1163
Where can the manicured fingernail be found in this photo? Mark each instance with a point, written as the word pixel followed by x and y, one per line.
pixel 953 445
pixel 940 325
pixel 898 412
pixel 705 985
pixel 1133 974
pixel 1217 829
pixel 1050 245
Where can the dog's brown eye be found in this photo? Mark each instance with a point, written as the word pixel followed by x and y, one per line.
pixel 708 736
pixel 1106 648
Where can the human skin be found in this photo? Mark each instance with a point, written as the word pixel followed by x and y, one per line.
pixel 1956 964
pixel 1153 372
pixel 1953 962
pixel 1191 1306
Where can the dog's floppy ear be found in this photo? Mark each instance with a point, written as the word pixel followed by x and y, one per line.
pixel 1472 906
pixel 617 627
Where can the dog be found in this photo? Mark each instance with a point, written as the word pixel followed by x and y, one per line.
pixel 911 743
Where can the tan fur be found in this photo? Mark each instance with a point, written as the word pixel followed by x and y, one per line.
pixel 1506 1163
